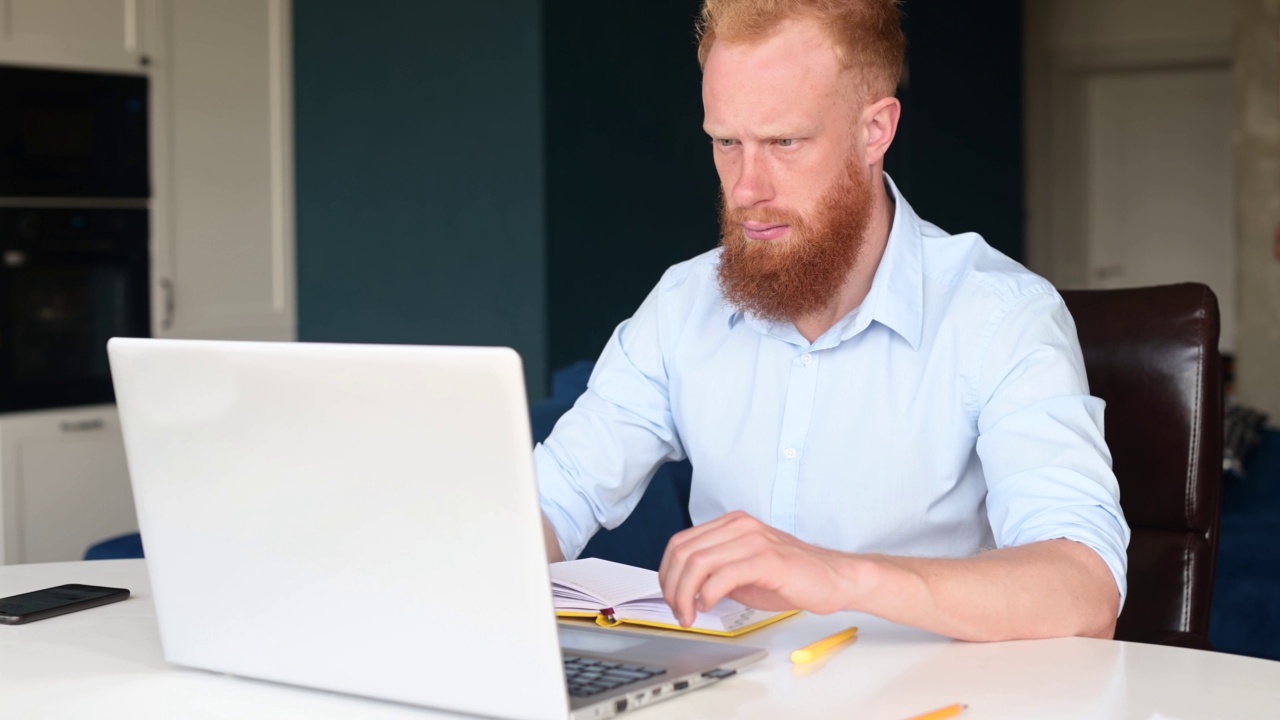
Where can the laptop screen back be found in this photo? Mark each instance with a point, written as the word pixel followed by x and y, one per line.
pixel 353 518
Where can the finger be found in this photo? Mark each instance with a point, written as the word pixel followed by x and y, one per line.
pixel 680 587
pixel 750 561
pixel 749 572
pixel 693 534
pixel 707 561
pixel 726 529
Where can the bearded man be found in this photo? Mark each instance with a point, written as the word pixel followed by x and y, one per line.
pixel 881 417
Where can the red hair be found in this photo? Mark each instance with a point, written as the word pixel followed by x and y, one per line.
pixel 867 34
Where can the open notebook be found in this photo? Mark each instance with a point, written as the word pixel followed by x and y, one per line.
pixel 614 593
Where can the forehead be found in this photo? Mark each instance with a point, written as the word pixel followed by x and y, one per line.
pixel 791 76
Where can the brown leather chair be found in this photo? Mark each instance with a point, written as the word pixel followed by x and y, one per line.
pixel 1152 355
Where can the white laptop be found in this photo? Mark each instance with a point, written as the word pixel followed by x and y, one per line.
pixel 364 519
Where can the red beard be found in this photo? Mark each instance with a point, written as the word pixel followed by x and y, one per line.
pixel 784 280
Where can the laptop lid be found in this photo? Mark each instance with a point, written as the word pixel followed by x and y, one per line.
pixel 346 517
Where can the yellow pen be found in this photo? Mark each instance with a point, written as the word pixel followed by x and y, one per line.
pixel 949 711
pixel 809 653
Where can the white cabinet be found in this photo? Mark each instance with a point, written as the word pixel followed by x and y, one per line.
pixel 82 34
pixel 222 225
pixel 221 83
pixel 223 210
pixel 64 484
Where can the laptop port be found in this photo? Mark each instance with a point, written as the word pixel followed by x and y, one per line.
pixel 620 705
pixel 680 685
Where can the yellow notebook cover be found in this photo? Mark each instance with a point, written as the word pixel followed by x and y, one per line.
pixel 603 621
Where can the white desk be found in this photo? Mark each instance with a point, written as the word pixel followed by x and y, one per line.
pixel 106 663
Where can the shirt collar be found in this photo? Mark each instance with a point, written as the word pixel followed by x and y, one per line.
pixel 896 298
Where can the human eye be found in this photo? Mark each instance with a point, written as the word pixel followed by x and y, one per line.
pixel 724 143
pixel 786 142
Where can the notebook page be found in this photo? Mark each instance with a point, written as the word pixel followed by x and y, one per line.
pixel 591 584
pixel 612 583
pixel 728 615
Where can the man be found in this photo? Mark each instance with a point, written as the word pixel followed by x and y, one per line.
pixel 881 417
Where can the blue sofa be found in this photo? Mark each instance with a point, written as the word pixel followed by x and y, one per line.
pixel 1245 618
pixel 662 512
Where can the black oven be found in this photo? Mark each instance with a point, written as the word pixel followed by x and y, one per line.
pixel 70 279
pixel 73 134
pixel 74 231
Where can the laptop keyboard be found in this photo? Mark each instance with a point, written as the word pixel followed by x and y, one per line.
pixel 587 677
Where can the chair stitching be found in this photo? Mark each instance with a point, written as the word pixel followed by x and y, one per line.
pixel 1186 583
pixel 1192 458
pixel 1193 450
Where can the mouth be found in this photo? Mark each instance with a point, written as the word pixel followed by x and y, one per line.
pixel 765 231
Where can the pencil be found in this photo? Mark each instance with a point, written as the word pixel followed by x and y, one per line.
pixel 949 711
pixel 809 653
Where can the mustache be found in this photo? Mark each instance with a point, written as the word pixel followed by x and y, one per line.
pixel 778 216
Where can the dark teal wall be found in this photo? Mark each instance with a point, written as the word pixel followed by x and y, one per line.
pixel 419 174
pixel 959 150
pixel 631 188
pixel 457 183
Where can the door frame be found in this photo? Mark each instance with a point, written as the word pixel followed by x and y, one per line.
pixel 1055 81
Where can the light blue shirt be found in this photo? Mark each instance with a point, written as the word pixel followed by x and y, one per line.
pixel 946 415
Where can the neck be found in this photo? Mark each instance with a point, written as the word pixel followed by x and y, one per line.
pixel 858 284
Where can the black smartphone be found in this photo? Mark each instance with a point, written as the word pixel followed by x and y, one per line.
pixel 50 602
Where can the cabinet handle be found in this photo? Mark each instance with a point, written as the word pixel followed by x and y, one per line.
pixel 166 287
pixel 82 425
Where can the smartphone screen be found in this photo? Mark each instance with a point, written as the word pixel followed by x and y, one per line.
pixel 32 606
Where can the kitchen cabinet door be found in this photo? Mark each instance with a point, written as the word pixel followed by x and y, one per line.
pixel 223 209
pixel 64 483
pixel 101 35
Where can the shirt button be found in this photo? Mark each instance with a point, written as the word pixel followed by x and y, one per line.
pixel 806 358
pixel 790 453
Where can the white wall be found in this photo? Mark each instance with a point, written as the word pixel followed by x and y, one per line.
pixel 1091 23
pixel 1257 75
pixel 1245 34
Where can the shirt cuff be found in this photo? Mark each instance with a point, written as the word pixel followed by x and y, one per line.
pixel 1085 526
pixel 559 502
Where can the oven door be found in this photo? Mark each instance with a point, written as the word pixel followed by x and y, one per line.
pixel 73 134
pixel 62 296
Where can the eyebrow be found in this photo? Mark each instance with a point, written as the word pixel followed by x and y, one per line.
pixel 788 133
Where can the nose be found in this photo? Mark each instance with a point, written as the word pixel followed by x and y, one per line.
pixel 754 184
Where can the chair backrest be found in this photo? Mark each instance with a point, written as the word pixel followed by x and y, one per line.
pixel 1152 355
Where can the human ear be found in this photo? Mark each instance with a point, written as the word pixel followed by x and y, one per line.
pixel 879 126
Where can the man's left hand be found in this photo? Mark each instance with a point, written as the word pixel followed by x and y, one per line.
pixel 738 556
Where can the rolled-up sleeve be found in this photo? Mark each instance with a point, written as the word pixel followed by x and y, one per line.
pixel 601 455
pixel 1040 435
